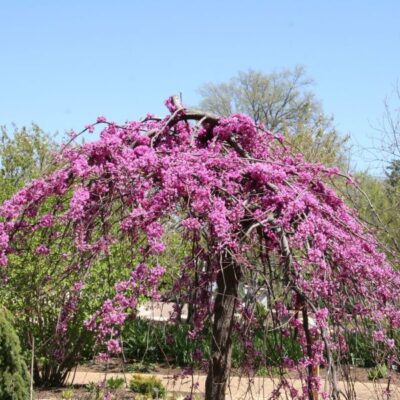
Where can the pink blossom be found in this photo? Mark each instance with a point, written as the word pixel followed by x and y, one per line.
pixel 390 343
pixel 46 221
pixel 90 128
pixel 42 250
pixel 321 317
pixel 113 346
pixel 170 104
pixel 78 203
pixel 191 224
pixel 103 357
pixel 78 285
pixel 379 336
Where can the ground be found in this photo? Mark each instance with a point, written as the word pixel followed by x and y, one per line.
pixel 239 388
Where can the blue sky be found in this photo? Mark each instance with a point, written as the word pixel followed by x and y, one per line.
pixel 63 63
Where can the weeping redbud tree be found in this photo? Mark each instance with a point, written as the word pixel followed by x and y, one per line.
pixel 254 215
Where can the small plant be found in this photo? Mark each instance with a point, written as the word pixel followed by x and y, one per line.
pixel 115 383
pixel 378 372
pixel 271 371
pixel 142 367
pixel 262 372
pixel 95 390
pixel 67 394
pixel 90 387
pixel 150 386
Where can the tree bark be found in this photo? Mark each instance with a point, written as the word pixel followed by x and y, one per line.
pixel 221 347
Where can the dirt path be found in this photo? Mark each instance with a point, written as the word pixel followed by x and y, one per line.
pixel 242 388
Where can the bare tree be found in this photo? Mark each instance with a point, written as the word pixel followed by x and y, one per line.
pixel 390 126
pixel 284 103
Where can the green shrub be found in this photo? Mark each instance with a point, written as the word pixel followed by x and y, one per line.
pixel 115 383
pixel 378 372
pixel 67 394
pixel 262 372
pixel 90 387
pixel 142 367
pixel 268 372
pixel 95 390
pixel 147 385
pixel 14 377
pixel 150 342
pixel 361 349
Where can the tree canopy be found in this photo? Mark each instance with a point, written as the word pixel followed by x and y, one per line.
pixel 252 213
pixel 25 154
pixel 283 102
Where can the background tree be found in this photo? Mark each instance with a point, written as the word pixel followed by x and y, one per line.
pixel 377 198
pixel 393 174
pixel 373 200
pixel 389 128
pixel 283 102
pixel 25 154
pixel 31 290
pixel 37 289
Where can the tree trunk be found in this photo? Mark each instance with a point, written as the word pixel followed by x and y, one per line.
pixel 221 347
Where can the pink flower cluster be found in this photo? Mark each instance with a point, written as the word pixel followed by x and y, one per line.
pixel 108 321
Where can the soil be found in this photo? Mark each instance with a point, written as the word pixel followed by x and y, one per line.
pixel 116 366
pixel 84 374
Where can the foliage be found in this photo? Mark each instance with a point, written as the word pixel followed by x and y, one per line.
pixel 115 383
pixel 269 372
pixel 377 202
pixel 361 349
pixel 25 154
pixel 33 290
pixel 147 385
pixel 36 289
pixel 365 351
pixel 383 192
pixel 393 174
pixel 158 343
pixel 252 215
pixel 95 390
pixel 149 343
pixel 278 99
pixel 14 378
pixel 284 103
pixel 378 372
pixel 36 296
pixel 141 367
pixel 67 394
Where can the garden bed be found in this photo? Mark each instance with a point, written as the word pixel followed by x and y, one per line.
pixel 87 374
